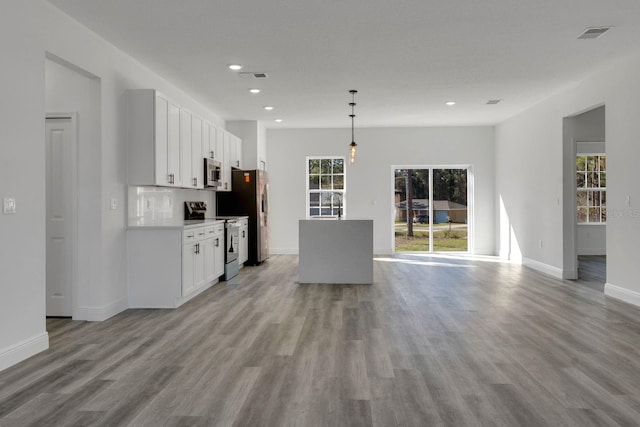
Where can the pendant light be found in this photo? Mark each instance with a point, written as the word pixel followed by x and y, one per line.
pixel 353 145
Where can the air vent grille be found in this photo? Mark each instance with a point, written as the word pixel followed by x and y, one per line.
pixel 593 33
pixel 493 101
pixel 253 75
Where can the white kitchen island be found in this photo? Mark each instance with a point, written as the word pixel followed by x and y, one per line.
pixel 336 251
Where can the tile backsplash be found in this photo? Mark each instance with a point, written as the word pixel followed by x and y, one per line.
pixel 165 204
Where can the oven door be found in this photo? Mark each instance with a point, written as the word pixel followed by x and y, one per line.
pixel 212 173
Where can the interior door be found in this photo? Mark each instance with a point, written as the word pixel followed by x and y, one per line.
pixel 60 167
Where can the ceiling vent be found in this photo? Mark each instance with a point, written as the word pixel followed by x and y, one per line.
pixel 593 33
pixel 493 101
pixel 252 74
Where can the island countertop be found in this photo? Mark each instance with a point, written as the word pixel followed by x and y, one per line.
pixel 338 251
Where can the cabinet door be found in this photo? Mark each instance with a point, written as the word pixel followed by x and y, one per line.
pixel 197 159
pixel 206 146
pixel 226 167
pixel 213 142
pixel 209 246
pixel 243 250
pixel 239 152
pixel 173 155
pixel 162 141
pixel 198 265
pixel 219 254
pixel 188 267
pixel 185 144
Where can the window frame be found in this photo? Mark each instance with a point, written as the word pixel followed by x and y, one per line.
pixel 309 191
pixel 587 190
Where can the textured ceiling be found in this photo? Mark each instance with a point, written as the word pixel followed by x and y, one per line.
pixel 405 57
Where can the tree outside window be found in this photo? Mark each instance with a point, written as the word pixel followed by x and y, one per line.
pixel 591 185
pixel 325 186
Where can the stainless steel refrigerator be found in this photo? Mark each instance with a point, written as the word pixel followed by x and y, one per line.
pixel 249 196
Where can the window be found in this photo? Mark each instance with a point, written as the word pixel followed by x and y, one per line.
pixel 591 183
pixel 325 187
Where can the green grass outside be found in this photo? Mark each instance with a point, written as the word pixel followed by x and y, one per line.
pixel 444 240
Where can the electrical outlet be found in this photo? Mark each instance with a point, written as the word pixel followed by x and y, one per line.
pixel 114 204
pixel 8 205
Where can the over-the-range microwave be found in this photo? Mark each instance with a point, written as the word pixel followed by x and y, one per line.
pixel 212 173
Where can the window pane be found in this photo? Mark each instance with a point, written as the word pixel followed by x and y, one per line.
pixel 581 163
pixel 326 200
pixel 314 166
pixel 338 182
pixel 603 179
pixel 592 180
pixel 603 198
pixel 582 199
pixel 325 166
pixel 336 211
pixel 603 163
pixel 314 212
pixel 580 180
pixel 338 166
pixel 582 214
pixel 326 182
pixel 314 199
pixel 591 163
pixel 326 212
pixel 594 198
pixel 314 182
pixel 594 214
pixel 603 214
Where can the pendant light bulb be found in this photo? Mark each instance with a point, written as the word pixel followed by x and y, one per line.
pixel 353 145
pixel 352 152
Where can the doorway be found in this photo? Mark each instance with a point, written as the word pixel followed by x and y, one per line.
pixel 431 209
pixel 60 213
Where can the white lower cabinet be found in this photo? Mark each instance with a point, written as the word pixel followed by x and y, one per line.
pixel 167 267
pixel 243 243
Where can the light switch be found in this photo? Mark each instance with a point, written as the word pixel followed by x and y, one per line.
pixel 114 204
pixel 8 205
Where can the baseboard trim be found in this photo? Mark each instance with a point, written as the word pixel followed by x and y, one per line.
pixel 623 294
pixel 283 251
pixel 98 314
pixel 17 353
pixel 543 268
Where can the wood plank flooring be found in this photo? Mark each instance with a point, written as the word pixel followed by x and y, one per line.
pixel 434 341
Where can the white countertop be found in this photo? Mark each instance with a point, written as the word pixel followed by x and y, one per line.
pixel 165 224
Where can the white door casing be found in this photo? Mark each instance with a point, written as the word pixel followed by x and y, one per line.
pixel 60 214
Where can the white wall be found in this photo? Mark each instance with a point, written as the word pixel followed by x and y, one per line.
pixel 369 181
pixel 29 31
pixel 529 153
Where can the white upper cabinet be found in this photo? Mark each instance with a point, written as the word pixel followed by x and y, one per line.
pixel 153 139
pixel 191 143
pixel 167 144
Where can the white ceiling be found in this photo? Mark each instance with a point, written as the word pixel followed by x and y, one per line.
pixel 405 57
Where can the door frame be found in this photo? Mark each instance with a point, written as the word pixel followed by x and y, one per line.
pixel 470 203
pixel 74 205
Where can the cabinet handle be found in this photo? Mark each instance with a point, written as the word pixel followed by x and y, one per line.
pixel 171 178
pixel 238 163
pixel 212 156
pixel 217 242
pixel 242 233
pixel 225 185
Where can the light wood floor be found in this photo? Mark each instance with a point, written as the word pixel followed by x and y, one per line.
pixel 434 341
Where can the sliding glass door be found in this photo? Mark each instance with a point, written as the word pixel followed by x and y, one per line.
pixel 431 210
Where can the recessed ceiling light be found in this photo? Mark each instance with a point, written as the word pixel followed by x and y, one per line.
pixel 254 90
pixel 235 67
pixel 450 103
pixel 278 120
pixel 268 108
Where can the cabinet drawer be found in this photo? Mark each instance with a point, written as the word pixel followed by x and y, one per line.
pixel 193 235
pixel 213 230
